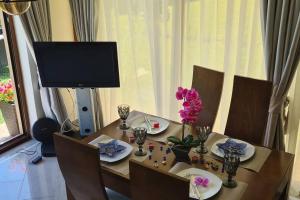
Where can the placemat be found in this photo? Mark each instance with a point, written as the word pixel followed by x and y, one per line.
pixel 258 160
pixel 121 166
pixel 172 130
pixel 254 164
pixel 225 193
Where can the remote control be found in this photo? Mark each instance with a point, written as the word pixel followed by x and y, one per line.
pixel 36 160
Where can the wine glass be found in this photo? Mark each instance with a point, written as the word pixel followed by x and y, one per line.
pixel 140 134
pixel 203 133
pixel 231 164
pixel 123 111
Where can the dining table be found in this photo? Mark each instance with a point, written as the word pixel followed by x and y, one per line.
pixel 268 180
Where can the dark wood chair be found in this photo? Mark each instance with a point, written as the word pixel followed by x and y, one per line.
pixel 209 84
pixel 149 183
pixel 80 167
pixel 249 108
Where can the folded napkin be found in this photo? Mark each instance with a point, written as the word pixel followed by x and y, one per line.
pixel 232 146
pixel 110 148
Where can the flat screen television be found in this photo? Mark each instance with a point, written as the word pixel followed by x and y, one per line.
pixel 77 64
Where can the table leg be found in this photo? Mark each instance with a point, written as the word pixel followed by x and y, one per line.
pixel 285 193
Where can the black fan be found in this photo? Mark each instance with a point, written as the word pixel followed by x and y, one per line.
pixel 43 130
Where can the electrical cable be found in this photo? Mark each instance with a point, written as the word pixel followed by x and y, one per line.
pixel 73 102
pixel 31 153
pixel 62 128
pixel 67 120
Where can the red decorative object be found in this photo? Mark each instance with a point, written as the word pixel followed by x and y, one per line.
pixel 151 146
pixel 156 125
pixel 195 159
pixel 131 139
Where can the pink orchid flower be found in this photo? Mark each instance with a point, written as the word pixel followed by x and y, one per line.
pixel 199 181
pixel 192 104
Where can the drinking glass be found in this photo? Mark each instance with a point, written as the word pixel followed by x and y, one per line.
pixel 203 133
pixel 123 111
pixel 231 164
pixel 140 134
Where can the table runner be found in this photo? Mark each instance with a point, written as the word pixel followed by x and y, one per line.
pixel 172 130
pixel 255 163
pixel 224 193
pixel 121 166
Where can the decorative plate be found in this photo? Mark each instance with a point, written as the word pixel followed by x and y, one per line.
pixel 141 122
pixel 249 151
pixel 119 155
pixel 213 187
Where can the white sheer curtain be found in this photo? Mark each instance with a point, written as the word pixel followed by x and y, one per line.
pixel 159 41
pixel 293 133
pixel 148 36
pixel 224 35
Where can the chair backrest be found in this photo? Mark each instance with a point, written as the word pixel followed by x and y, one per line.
pixel 148 183
pixel 80 167
pixel 209 84
pixel 249 108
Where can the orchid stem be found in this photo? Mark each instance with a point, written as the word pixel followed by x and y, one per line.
pixel 183 128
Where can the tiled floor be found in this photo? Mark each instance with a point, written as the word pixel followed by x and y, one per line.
pixel 21 180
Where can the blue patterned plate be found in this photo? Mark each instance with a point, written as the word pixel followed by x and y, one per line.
pixel 231 145
pixel 245 152
pixel 111 148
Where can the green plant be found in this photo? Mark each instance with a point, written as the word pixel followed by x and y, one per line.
pixel 187 142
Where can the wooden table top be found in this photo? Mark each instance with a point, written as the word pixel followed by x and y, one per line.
pixel 269 183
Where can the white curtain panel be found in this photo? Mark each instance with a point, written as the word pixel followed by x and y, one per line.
pixel 159 41
pixel 293 133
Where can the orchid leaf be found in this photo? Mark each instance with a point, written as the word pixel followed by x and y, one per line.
pixel 174 140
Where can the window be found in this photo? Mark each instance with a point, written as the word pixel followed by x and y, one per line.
pixel 14 127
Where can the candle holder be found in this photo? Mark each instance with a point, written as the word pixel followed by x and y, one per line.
pixel 123 111
pixel 140 134
pixel 231 164
pixel 203 133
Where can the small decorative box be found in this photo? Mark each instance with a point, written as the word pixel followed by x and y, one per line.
pixel 151 146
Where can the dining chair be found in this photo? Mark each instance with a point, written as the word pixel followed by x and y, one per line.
pixel 209 84
pixel 249 108
pixel 80 167
pixel 149 183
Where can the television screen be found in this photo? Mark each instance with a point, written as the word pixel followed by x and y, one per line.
pixel 77 64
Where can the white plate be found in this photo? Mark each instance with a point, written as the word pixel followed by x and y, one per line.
pixel 250 149
pixel 214 185
pixel 119 155
pixel 140 122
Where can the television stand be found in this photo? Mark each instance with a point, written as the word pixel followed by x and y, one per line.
pixel 85 111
